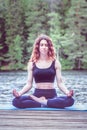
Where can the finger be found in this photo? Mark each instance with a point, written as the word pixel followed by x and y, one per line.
pixel 15 93
pixel 71 92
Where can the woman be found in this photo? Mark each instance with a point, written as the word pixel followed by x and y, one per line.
pixel 44 68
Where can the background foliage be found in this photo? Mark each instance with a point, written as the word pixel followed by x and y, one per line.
pixel 21 21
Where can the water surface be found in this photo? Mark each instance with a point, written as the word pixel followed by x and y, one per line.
pixel 76 80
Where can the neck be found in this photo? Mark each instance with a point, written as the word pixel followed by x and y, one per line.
pixel 42 57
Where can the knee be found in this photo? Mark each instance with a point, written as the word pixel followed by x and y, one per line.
pixel 71 101
pixel 16 102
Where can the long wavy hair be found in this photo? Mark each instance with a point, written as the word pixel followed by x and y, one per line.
pixel 36 53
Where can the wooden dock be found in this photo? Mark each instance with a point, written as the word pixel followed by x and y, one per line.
pixel 42 120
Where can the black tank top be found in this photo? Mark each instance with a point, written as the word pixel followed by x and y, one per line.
pixel 44 75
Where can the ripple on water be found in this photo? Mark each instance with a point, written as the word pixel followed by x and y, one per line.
pixel 76 80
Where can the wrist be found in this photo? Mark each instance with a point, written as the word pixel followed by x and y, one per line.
pixel 20 94
pixel 66 91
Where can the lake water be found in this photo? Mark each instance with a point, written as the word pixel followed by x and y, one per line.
pixel 76 80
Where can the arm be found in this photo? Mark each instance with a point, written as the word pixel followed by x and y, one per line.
pixel 60 83
pixel 28 85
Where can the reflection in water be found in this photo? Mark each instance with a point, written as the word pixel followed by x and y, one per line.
pixel 76 80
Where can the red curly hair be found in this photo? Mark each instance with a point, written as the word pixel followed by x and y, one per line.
pixel 36 54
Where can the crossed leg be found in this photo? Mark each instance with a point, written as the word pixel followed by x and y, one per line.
pixel 41 100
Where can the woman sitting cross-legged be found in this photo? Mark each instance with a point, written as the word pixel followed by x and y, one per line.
pixel 44 68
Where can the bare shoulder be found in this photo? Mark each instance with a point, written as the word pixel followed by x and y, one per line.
pixel 57 64
pixel 30 65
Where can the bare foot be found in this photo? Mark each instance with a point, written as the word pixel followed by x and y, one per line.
pixel 41 100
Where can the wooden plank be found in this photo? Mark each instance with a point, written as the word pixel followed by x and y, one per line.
pixel 43 120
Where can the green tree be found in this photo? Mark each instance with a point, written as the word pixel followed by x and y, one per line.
pixel 3 46
pixel 75 43
pixel 35 20
pixel 13 30
pixel 21 21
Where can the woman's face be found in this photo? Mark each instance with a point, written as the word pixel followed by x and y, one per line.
pixel 43 48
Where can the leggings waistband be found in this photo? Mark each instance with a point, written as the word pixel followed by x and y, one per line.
pixel 48 93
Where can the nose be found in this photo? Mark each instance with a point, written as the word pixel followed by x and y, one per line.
pixel 44 46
